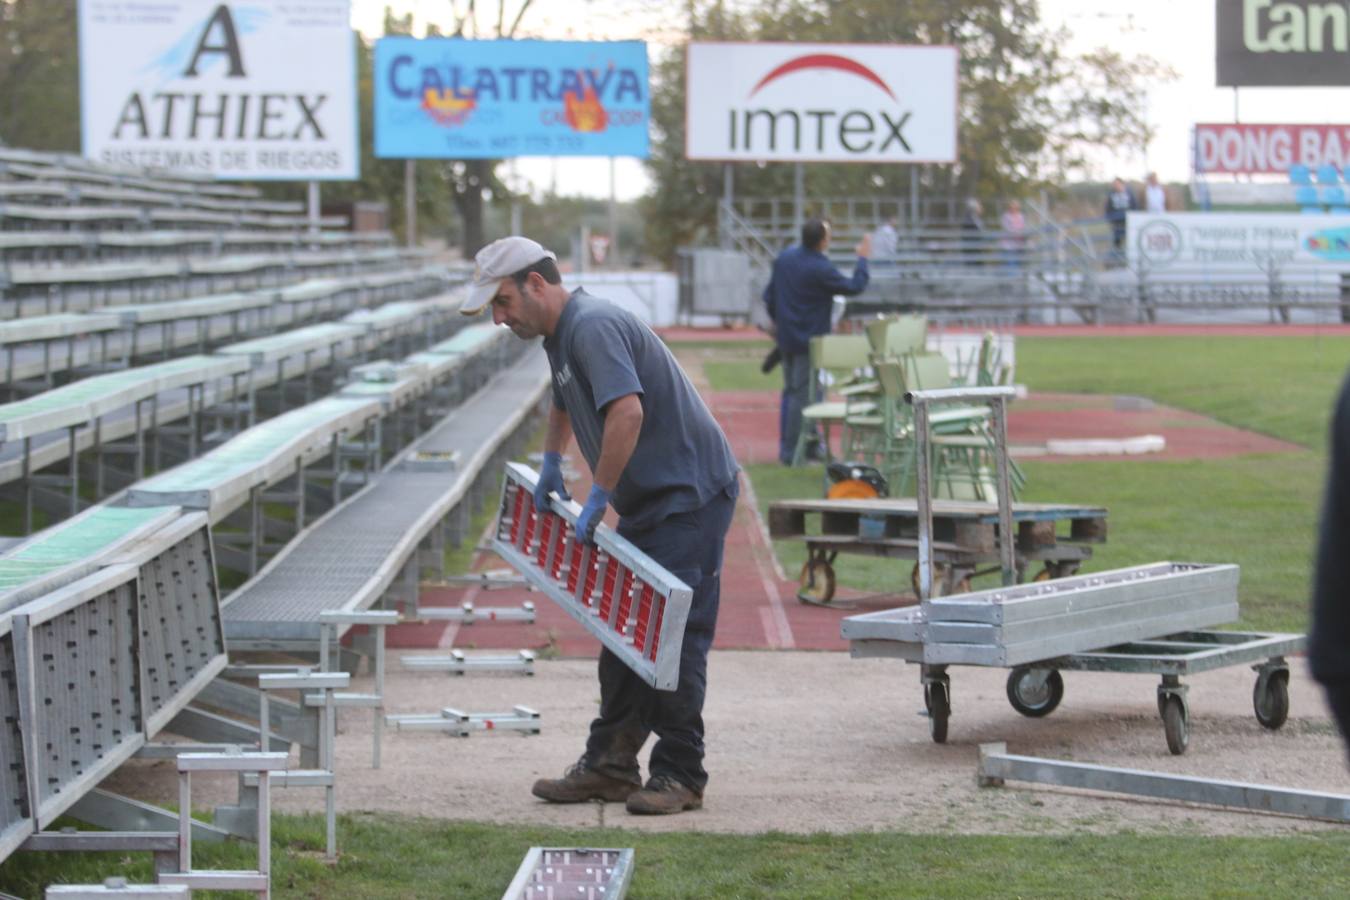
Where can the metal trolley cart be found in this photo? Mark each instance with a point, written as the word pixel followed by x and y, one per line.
pixel 1035 688
pixel 1146 619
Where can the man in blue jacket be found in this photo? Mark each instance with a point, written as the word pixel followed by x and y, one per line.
pixel 800 297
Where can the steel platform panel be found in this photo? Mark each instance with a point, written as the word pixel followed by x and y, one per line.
pixel 56 327
pixel 16 819
pixel 220 481
pixel 471 339
pixel 277 347
pixel 195 307
pixel 80 402
pixel 438 366
pixel 347 559
pixel 79 701
pixel 66 552
pixel 30 275
pixel 620 595
pixel 1180 583
pixel 575 873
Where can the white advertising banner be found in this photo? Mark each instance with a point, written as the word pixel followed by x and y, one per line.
pixel 235 90
pixel 1236 242
pixel 820 102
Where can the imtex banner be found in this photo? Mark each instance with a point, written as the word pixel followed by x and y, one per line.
pixel 237 90
pixel 449 98
pixel 866 103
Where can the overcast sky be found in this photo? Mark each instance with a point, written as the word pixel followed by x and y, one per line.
pixel 1179 33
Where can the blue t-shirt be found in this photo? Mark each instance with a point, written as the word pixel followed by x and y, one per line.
pixel 599 353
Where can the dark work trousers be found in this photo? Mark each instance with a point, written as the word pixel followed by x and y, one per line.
pixel 796 396
pixel 689 545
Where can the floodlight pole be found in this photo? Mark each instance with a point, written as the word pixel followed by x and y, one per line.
pixel 410 201
pixel 798 196
pixel 313 207
pixel 613 218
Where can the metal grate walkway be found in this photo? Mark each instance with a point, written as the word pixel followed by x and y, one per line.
pixel 347 559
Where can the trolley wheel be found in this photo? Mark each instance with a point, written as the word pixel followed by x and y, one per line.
pixel 1175 725
pixel 939 578
pixel 816 582
pixel 939 703
pixel 1272 703
pixel 1031 699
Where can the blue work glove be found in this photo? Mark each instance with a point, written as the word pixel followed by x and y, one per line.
pixel 550 481
pixel 592 512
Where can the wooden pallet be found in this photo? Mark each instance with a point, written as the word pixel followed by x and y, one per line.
pixel 958 526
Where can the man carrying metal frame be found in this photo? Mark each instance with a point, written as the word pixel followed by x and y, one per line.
pixel 660 459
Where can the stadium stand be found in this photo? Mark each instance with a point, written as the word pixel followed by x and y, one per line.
pixel 265 369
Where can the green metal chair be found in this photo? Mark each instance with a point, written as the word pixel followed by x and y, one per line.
pixel 836 358
pixel 962 444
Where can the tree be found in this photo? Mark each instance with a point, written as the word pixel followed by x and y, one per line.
pixel 475 180
pixel 1028 111
pixel 39 75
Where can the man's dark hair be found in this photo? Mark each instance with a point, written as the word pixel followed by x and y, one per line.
pixel 813 234
pixel 547 269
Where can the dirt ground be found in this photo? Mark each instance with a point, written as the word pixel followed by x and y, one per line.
pixel 816 741
pixel 803 741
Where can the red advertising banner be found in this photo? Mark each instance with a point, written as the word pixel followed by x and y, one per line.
pixel 1252 149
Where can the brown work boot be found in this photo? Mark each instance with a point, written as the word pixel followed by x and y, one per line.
pixel 581 783
pixel 663 796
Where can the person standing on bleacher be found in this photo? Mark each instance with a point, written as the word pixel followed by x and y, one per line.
pixel 800 298
pixel 657 456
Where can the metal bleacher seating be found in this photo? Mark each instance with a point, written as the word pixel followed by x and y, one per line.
pixel 349 559
pixel 328 380
pixel 122 637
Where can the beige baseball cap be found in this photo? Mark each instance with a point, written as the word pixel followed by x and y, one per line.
pixel 499 259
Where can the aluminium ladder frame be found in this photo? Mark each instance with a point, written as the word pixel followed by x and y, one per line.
pixel 621 595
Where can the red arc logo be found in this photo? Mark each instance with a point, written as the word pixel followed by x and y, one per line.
pixel 824 61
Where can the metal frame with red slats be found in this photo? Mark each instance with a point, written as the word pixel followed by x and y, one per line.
pixel 635 607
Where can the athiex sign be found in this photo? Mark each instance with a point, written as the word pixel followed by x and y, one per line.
pixel 820 102
pixel 235 90
pixel 1283 42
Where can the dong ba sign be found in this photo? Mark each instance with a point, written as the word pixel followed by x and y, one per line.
pixel 821 102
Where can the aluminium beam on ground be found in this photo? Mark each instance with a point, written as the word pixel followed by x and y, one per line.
pixel 458 723
pixel 118 888
pixel 457 663
pixel 996 766
pixel 467 613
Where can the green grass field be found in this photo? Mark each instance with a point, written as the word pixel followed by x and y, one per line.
pixel 390 858
pixel 1259 511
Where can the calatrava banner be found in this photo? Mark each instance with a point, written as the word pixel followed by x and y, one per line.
pixel 1263 149
pixel 234 90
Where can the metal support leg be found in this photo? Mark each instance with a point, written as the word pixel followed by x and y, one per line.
pixel 74 461
pixel 27 485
